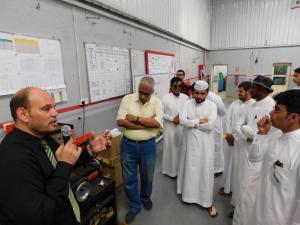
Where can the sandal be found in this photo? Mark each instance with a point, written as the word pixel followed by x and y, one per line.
pixel 212 211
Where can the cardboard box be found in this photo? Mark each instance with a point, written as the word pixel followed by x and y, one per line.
pixel 109 162
pixel 114 173
pixel 113 170
pixel 114 150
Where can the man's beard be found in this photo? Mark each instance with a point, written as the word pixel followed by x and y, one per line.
pixel 199 101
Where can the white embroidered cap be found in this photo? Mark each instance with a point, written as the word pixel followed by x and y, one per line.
pixel 201 85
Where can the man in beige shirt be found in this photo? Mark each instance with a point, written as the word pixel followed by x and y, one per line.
pixel 140 115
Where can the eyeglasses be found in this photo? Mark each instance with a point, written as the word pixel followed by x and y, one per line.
pixel 176 85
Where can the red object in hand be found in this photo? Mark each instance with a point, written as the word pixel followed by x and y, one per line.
pixel 83 138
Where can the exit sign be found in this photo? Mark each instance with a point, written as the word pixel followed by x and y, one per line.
pixel 295 4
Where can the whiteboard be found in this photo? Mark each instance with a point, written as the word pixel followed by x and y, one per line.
pixel 108 71
pixel 159 62
pixel 28 61
pixel 162 83
pixel 137 58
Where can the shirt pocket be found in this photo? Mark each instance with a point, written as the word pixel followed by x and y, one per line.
pixel 282 178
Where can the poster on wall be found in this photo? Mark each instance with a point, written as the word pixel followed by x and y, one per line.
pixel 30 61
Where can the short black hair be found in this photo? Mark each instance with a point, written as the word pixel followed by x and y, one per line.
pixel 246 85
pixel 175 80
pixel 19 100
pixel 297 70
pixel 290 99
pixel 181 71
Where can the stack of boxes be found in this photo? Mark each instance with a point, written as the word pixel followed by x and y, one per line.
pixel 111 160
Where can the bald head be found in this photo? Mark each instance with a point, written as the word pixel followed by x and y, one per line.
pixel 33 111
pixel 22 99
pixel 146 89
pixel 148 81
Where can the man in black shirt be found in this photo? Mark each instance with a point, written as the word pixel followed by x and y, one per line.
pixel 34 169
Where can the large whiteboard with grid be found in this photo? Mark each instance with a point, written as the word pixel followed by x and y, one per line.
pixel 108 71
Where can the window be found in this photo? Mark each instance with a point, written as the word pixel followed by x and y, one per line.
pixel 281 72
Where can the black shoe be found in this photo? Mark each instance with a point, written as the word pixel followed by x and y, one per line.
pixel 130 217
pixel 148 205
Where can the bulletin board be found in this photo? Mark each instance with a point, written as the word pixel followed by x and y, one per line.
pixel 108 71
pixel 29 61
pixel 159 62
pixel 161 67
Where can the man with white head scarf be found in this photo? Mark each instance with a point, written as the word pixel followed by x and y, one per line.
pixel 196 164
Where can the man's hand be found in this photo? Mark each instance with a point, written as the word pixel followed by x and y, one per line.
pixel 68 153
pixel 176 120
pixel 230 139
pixel 132 118
pixel 106 134
pixel 264 125
pixel 99 143
pixel 204 120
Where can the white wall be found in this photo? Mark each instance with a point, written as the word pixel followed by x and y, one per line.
pixel 244 59
pixel 254 23
pixel 189 19
pixel 73 26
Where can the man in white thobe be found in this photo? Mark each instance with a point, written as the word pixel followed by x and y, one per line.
pixel 296 78
pixel 218 133
pixel 232 141
pixel 196 167
pixel 172 103
pixel 278 195
pixel 260 90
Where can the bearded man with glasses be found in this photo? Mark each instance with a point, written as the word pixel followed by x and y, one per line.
pixel 172 103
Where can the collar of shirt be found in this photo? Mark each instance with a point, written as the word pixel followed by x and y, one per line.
pixel 295 133
pixel 29 140
pixel 137 99
pixel 266 99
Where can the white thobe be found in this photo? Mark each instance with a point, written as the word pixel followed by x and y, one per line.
pixel 296 88
pixel 250 171
pixel 195 179
pixel 231 153
pixel 172 133
pixel 278 194
pixel 218 131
